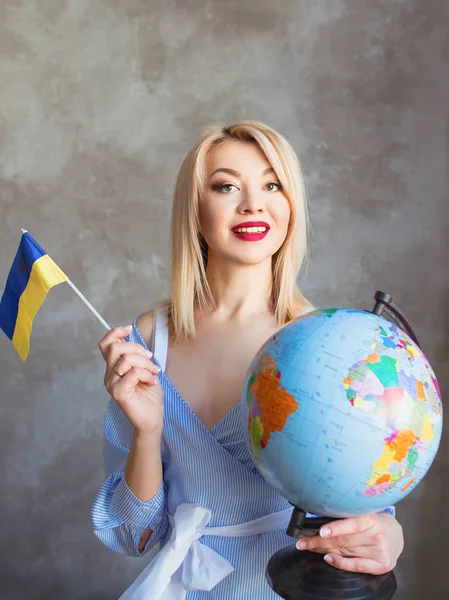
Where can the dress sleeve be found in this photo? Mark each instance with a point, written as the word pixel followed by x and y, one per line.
pixel 118 516
pixel 390 510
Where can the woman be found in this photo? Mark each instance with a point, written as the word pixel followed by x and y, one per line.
pixel 175 455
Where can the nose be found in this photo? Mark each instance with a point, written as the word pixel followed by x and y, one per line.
pixel 251 202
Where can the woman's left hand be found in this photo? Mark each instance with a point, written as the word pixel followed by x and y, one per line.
pixel 366 544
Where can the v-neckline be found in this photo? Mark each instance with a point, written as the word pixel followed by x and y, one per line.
pixel 178 394
pixel 192 412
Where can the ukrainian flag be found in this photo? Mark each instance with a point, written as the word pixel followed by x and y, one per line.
pixel 32 275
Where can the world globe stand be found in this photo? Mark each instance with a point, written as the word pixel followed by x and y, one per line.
pixel 301 575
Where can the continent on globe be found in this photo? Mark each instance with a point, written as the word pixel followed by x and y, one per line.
pixel 399 456
pixel 270 404
pixel 385 386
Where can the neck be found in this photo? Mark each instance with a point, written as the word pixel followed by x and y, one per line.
pixel 239 291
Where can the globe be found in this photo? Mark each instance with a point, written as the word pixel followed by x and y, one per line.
pixel 342 412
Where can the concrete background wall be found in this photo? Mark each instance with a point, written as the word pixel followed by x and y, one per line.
pixel 99 102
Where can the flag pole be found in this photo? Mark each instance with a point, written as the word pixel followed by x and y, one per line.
pixel 88 304
pixel 83 298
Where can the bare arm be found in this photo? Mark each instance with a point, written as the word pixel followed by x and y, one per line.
pixel 143 471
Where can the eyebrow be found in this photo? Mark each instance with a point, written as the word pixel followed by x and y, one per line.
pixel 237 174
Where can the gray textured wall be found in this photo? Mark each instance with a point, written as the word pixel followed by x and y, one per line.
pixel 99 102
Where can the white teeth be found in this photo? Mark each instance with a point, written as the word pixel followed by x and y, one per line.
pixel 250 230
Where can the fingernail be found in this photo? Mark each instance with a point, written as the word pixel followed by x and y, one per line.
pixel 301 544
pixel 325 532
pixel 148 353
pixel 157 369
pixel 328 559
pixel 128 327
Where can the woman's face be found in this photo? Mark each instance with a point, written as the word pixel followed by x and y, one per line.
pixel 242 188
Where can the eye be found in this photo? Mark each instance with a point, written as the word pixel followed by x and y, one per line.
pixel 278 186
pixel 223 187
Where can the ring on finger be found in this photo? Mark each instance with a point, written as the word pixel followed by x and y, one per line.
pixel 118 373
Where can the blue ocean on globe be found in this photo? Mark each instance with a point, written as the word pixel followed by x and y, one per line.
pixel 342 412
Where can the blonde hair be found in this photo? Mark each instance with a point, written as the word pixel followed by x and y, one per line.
pixel 189 285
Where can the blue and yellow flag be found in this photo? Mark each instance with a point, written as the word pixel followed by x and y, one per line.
pixel 32 275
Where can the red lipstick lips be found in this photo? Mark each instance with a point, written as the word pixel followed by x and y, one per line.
pixel 250 236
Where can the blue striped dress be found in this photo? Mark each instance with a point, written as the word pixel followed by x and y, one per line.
pixel 209 467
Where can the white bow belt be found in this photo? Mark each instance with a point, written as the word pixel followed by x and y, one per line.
pixel 186 564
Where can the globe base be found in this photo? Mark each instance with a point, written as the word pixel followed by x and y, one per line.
pixel 301 575
pixel 302 525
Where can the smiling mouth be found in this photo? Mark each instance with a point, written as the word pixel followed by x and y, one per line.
pixel 250 234
pixel 250 229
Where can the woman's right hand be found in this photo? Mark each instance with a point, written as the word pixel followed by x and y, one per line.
pixel 138 392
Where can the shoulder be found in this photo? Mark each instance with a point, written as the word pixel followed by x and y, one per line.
pixel 145 322
pixel 303 310
pixel 145 325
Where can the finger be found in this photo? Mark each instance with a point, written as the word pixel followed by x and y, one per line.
pixel 126 384
pixel 126 364
pixel 112 336
pixel 115 351
pixel 323 545
pixel 356 565
pixel 351 552
pixel 348 526
pixel 128 361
